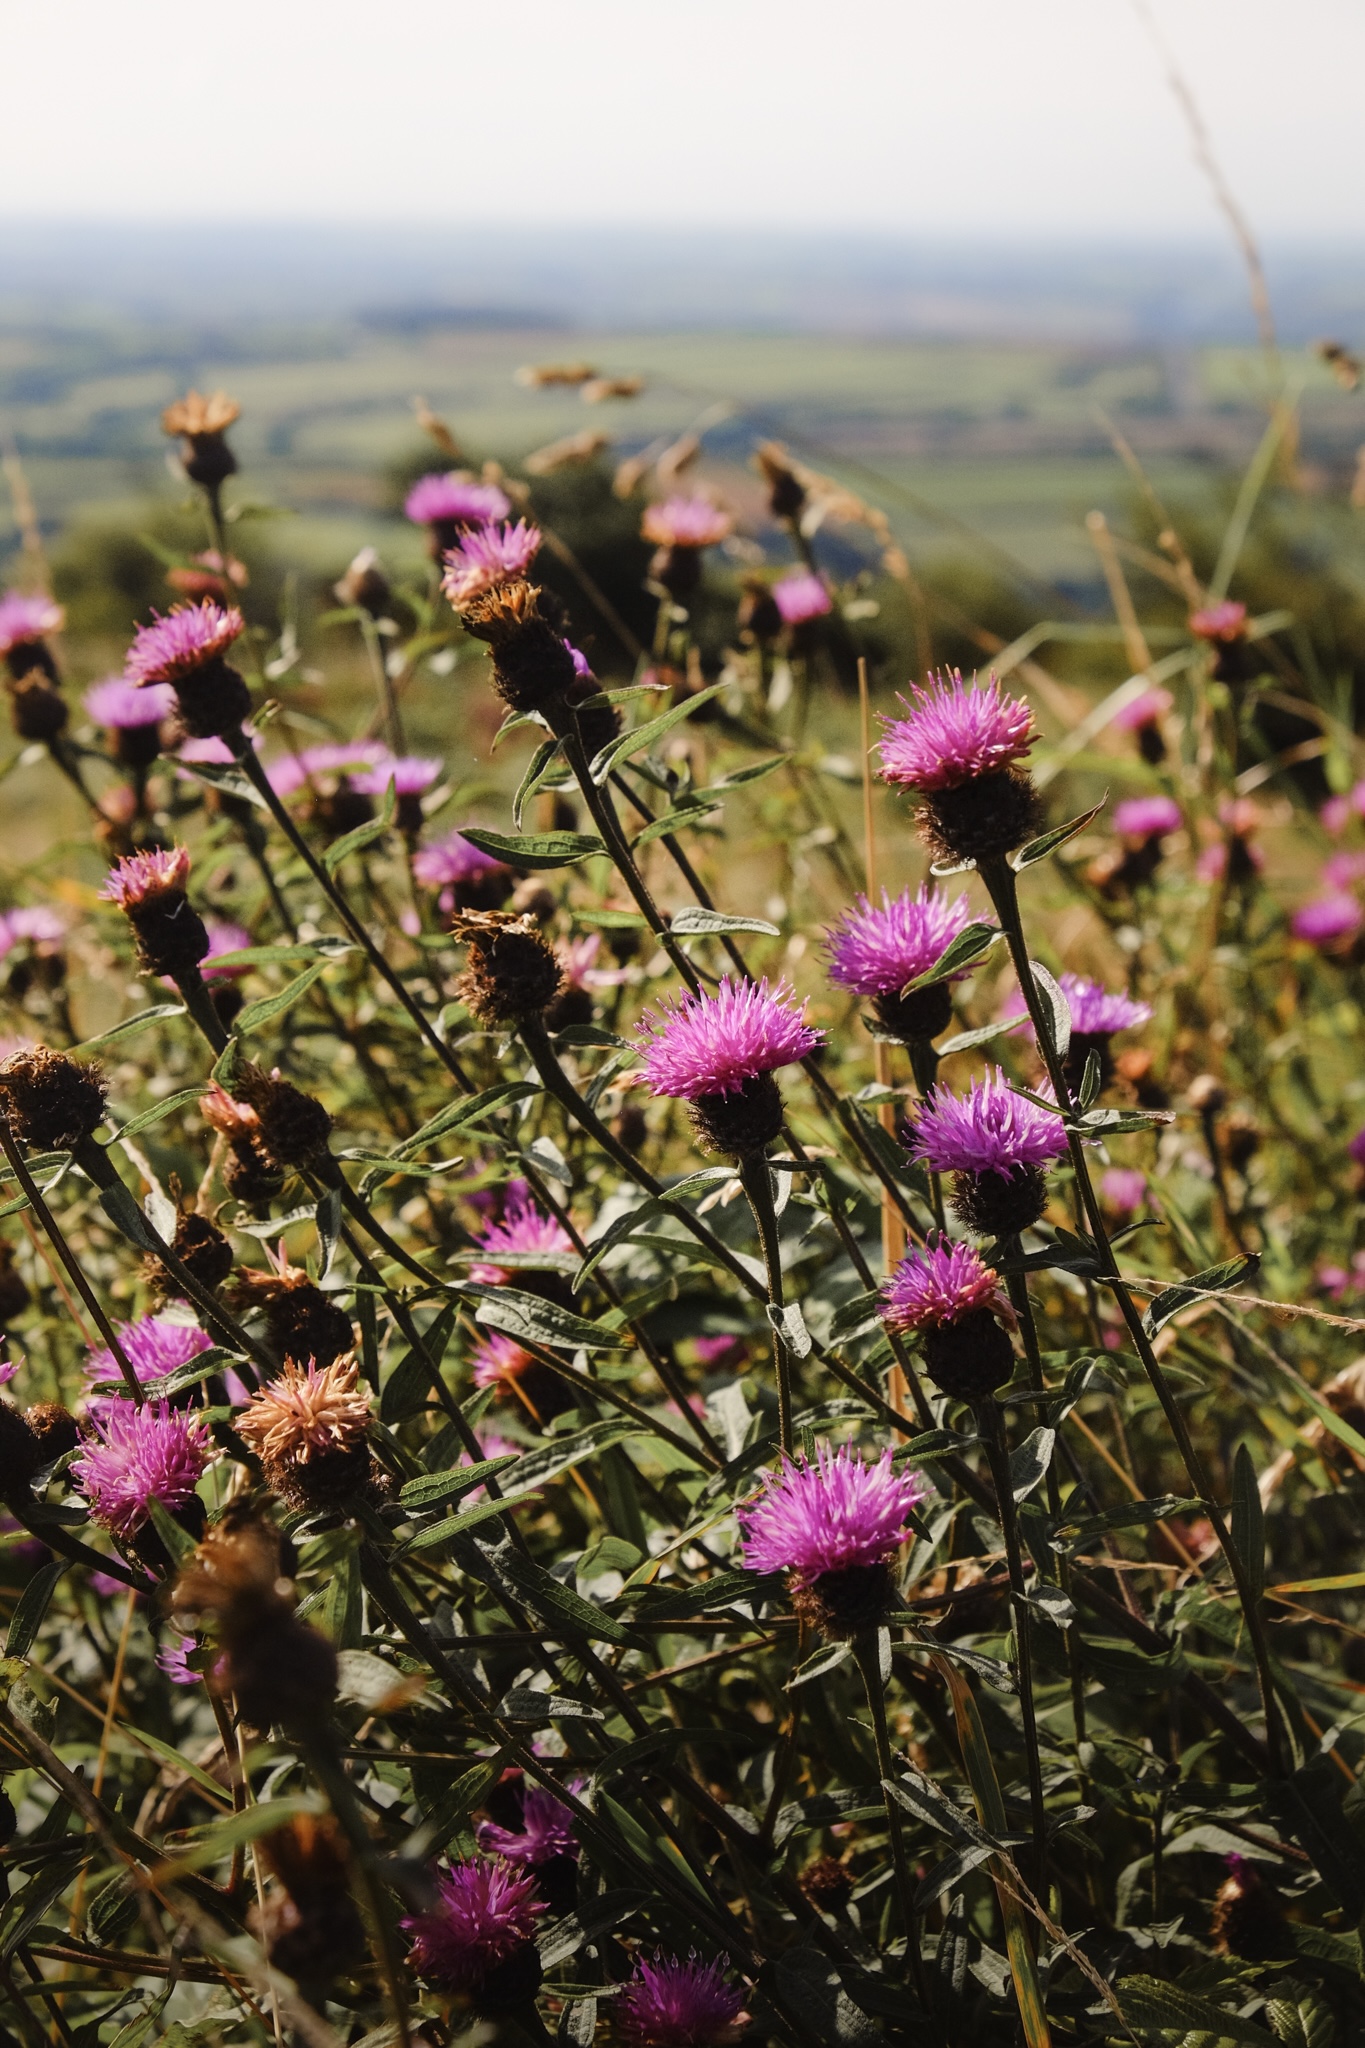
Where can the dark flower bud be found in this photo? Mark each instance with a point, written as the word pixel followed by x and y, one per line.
pixel 846 1603
pixel 630 1127
pixel 827 1883
pixel 301 1321
pixel 55 1429
pixel 310 1927
pixel 251 1171
pixel 530 898
pixel 37 707
pixel 149 888
pixel 202 1250
pixel 970 1357
pixel 1000 1204
pixel 294 1127
pixel 512 974
pixel 281 1671
pixel 201 424
pixel 53 1103
pixel 1248 1915
pixel 786 492
pixel 533 669
pixel 759 618
pixel 741 1124
pixel 14 1295
pixel 364 585
pixel 20 1454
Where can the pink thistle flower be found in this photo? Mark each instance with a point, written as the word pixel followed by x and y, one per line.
pixel 1326 921
pixel 875 952
pixel 829 1516
pixel 801 598
pixel 449 500
pixel 187 638
pixel 121 706
pixel 409 774
pixel 224 938
pixel 153 1346
pixel 498 1361
pixel 1124 1189
pixel 582 667
pixel 1096 1012
pixel 26 619
pixel 699 1045
pixel 1225 622
pixel 296 771
pixel 686 522
pixel 172 1658
pixel 546 1831
pixel 487 556
pixel 1142 818
pixel 8 1368
pixel 1335 815
pixel 941 1284
pixel 451 860
pixel 484 1912
pixel 714 1354
pixel 1344 870
pixel 955 733
pixel 990 1129
pixel 672 2003
pixel 579 957
pixel 1144 710
pixel 140 876
pixel 140 1455
pixel 33 922
pixel 523 1229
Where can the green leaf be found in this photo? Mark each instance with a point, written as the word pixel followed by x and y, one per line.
pixel 559 1605
pixel 1057 1007
pixel 363 835
pixel 530 1317
pixel 1132 1515
pixel 269 1007
pixel 230 781
pixel 218 1842
pixel 964 1041
pixel 226 1067
pixel 30 1608
pixel 456 1525
pixel 1248 1520
pixel 695 921
pixel 972 943
pixel 123 1212
pixel 1213 1280
pixel 145 1118
pixel 561 1453
pixel 432 1489
pixel 409 1386
pixel 1039 849
pixel 627 744
pixel 459 1114
pixel 856 1317
pixel 139 1022
pixel 178 1541
pixel 1153 2006
pixel 1029 1462
pixel 685 818
pixel 539 765
pixel 536 850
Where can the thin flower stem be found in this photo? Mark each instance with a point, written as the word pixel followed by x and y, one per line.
pixel 1000 880
pixel 867 1657
pixel 992 1427
pixel 756 1179
pixel 603 811
pixel 383 683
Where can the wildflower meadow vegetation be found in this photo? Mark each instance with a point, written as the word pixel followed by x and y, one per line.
pixel 681 1290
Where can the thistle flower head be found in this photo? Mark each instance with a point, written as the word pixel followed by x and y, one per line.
pixel 874 951
pixel 485 1910
pixel 195 414
pixel 441 499
pixel 698 1045
pixel 686 522
pixel 1143 710
pixel 154 1346
pixel 1141 818
pixel 223 938
pixel 140 876
pixel 1327 920
pixel 451 860
pixel 674 2002
pixel 172 1660
pixel 1226 621
pixel 499 1360
pixel 801 598
pixel 409 774
pixel 120 706
pixel 546 1831
pixel 30 921
pixel 955 733
pixel 306 1411
pixel 187 638
pixel 25 618
pixel 487 556
pixel 990 1129
pixel 139 1455
pixel 522 1229
pixel 829 1515
pixel 941 1284
pixel 1096 1012
pixel 293 772
pixel 1123 1189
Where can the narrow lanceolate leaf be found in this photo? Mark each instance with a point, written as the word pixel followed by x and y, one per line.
pixel 1213 1280
pixel 972 943
pixel 30 1608
pixel 686 818
pixel 433 1489
pixel 536 849
pixel 1248 1520
pixel 539 765
pixel 562 1608
pixel 1029 1462
pixel 1057 1007
pixel 1153 2006
pixel 695 921
pixel 1039 849
pixel 168 1106
pixel 627 744
pixel 540 1322
pixel 157 1014
pixel 270 1007
pixel 363 835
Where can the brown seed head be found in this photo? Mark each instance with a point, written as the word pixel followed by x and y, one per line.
pixel 38 708
pixel 306 1412
pixel 512 973
pixel 53 1103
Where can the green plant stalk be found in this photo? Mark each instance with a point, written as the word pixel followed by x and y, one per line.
pixel 383 684
pixel 603 812
pixel 992 1427
pixel 869 1666
pixel 756 1179
pixel 1001 882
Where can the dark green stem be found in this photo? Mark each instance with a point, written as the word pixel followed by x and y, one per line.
pixel 866 1655
pixel 757 1181
pixel 992 1427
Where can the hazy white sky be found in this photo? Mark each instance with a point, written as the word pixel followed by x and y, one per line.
pixel 1043 116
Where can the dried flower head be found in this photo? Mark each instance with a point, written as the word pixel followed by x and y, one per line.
pixel 672 2002
pixel 485 1911
pixel 451 499
pixel 310 1430
pixel 488 556
pixel 274 1666
pixel 53 1102
pixel 139 1455
pixel 512 973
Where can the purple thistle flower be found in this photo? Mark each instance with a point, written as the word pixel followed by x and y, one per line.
pixel 120 706
pixel 582 667
pixel 699 1045
pixel 171 1659
pixel 685 522
pixel 294 771
pixel 409 774
pixel 223 938
pixel 484 1912
pixel 139 876
pixel 1096 1012
pixel 1356 1148
pixel 1141 818
pixel 990 1129
pixel 451 860
pixel 1124 1188
pixel 1326 921
pixel 956 732
pixel 33 922
pixel 154 1346
pixel 546 1831
pixel 1226 621
pixel 801 598
pixel 25 619
pixel 139 1455
pixel 677 2003
pixel 875 952
pixel 1344 870
pixel 498 1360
pixel 941 1284
pixel 829 1516
pixel 522 1229
pixel 487 556
pixel 188 637
pixel 442 499
pixel 1143 710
